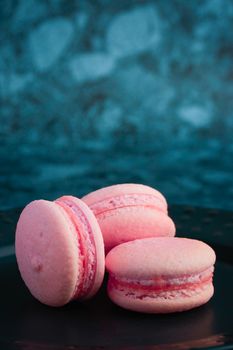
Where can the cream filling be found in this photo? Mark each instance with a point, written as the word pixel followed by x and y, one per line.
pixel 128 200
pixel 86 241
pixel 168 295
pixel 157 288
pixel 162 280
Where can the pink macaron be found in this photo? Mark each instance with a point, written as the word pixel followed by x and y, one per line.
pixel 60 250
pixel 160 275
pixel 129 211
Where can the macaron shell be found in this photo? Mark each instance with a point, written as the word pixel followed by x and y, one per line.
pixel 160 305
pixel 98 241
pixel 167 256
pixel 122 189
pixel 46 252
pixel 127 224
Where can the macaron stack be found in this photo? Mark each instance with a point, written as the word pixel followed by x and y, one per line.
pixel 61 247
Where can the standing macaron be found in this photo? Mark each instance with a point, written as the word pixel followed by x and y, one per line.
pixel 161 275
pixel 60 250
pixel 129 211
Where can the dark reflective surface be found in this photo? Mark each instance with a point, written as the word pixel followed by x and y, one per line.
pixel 27 324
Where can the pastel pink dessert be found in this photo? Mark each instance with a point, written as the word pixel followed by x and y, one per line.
pixel 60 250
pixel 160 275
pixel 129 211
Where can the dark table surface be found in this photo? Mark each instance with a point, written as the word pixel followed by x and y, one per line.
pixel 99 324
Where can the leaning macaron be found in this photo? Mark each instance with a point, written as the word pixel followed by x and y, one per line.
pixel 59 250
pixel 127 212
pixel 161 275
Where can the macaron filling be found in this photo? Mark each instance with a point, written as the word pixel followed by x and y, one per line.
pixel 163 287
pixel 86 246
pixel 128 200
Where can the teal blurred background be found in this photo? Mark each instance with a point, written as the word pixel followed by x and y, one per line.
pixel 94 93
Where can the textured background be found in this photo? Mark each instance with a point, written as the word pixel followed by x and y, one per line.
pixel 94 93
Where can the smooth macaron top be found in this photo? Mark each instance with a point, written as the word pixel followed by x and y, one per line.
pixel 121 195
pixel 50 254
pixel 162 256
